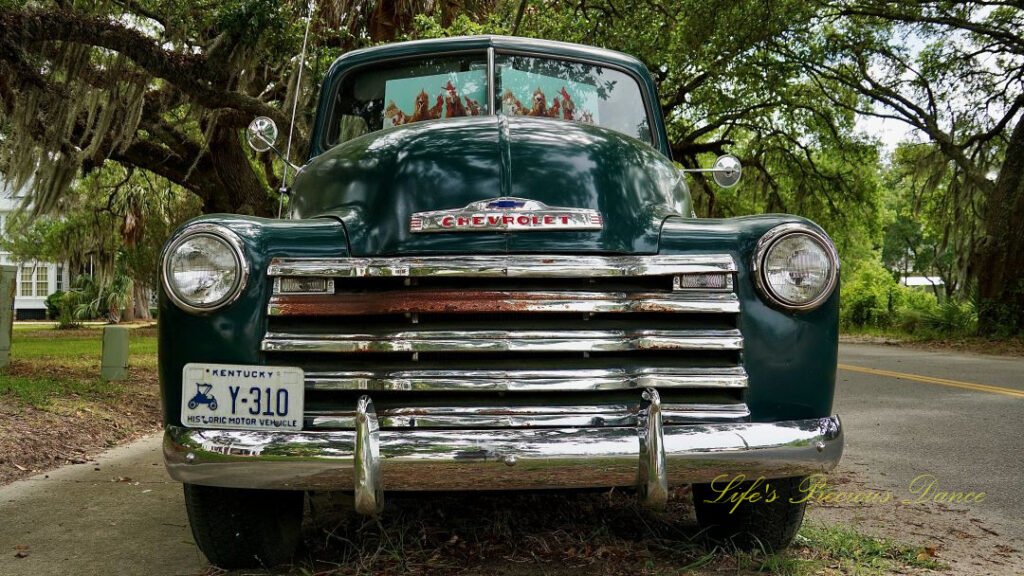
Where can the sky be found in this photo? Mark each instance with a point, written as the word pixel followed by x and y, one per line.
pixel 890 132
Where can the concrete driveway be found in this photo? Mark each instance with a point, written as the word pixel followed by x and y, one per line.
pixel 120 515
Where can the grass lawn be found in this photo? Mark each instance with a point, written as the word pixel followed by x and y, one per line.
pixel 48 364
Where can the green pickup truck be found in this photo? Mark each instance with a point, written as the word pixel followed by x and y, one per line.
pixel 491 277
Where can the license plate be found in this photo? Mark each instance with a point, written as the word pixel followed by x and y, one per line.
pixel 242 397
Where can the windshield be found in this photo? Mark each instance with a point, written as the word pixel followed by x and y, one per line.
pixel 393 94
pixel 388 95
pixel 571 91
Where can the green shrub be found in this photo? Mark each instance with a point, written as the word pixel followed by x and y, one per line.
pixel 53 304
pixel 914 305
pixel 952 318
pixel 869 297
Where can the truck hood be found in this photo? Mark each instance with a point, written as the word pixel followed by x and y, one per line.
pixel 375 183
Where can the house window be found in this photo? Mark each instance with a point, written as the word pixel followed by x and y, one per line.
pixel 26 280
pixel 59 284
pixel 42 281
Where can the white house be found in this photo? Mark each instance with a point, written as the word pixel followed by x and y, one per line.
pixel 36 280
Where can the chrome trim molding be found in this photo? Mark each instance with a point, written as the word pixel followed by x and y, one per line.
pixel 765 244
pixel 652 478
pixel 504 341
pixel 234 244
pixel 442 301
pixel 505 266
pixel 528 380
pixel 476 459
pixel 368 488
pixel 491 85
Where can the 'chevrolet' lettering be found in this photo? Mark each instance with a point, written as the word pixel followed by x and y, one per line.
pixel 502 221
pixel 506 214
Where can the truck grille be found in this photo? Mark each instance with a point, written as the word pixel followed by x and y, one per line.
pixel 510 340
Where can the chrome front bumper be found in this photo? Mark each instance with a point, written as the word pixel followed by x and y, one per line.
pixel 368 460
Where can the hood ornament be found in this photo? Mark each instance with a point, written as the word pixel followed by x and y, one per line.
pixel 506 214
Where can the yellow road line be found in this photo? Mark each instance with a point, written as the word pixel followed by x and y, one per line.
pixel 932 380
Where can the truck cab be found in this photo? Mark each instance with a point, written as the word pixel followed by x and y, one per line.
pixel 491 277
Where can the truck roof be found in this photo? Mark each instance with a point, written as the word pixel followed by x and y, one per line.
pixel 510 43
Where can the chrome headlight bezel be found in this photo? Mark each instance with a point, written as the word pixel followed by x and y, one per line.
pixel 219 233
pixel 769 240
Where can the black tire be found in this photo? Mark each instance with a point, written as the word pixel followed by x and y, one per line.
pixel 192 404
pixel 239 528
pixel 213 405
pixel 753 525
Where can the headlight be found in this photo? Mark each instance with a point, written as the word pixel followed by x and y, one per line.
pixel 795 266
pixel 204 268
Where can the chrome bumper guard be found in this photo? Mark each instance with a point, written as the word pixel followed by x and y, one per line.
pixel 367 460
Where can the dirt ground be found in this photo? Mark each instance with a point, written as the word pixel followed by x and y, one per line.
pixel 974 344
pixel 71 429
pixel 606 533
pixel 951 533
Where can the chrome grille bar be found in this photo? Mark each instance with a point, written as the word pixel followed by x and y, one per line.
pixel 528 380
pixel 507 266
pixel 527 416
pixel 504 341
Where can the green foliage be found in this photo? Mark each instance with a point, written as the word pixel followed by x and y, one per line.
pixel 951 318
pixel 77 301
pixel 53 303
pixel 869 296
pixel 430 26
pixel 872 299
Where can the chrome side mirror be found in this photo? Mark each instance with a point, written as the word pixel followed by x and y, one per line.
pixel 261 134
pixel 726 170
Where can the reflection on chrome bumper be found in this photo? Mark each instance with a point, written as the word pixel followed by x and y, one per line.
pixel 367 459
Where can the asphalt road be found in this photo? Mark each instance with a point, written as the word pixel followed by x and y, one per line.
pixel 967 431
pixel 123 515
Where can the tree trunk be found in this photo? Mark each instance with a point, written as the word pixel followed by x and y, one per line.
pixel 142 295
pixel 1000 269
pixel 128 314
pixel 244 191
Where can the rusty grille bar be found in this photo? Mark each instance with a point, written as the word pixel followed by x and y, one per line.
pixel 497 301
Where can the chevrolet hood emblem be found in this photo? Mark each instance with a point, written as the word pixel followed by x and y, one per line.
pixel 506 215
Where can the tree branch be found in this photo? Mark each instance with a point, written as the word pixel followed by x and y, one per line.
pixel 189 72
